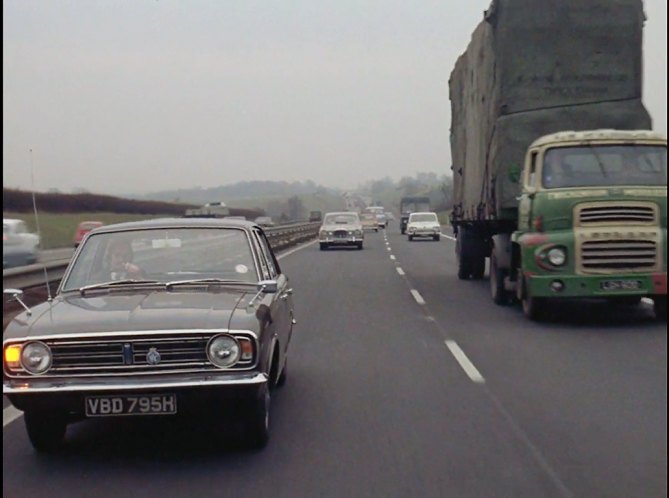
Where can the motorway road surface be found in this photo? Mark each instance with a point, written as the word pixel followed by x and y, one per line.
pixel 404 381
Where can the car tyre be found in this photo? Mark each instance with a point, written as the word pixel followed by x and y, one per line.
pixel 257 419
pixel 46 430
pixel 281 381
pixel 410 237
pixel 437 237
pixel 323 246
pixel 359 245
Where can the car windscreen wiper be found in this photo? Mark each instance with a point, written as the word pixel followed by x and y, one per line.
pixel 115 283
pixel 212 280
pixel 599 160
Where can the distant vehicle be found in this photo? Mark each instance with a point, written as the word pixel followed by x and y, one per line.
pixel 369 222
pixel 189 333
pixel 379 212
pixel 83 228
pixel 234 218
pixel 265 221
pixel 315 216
pixel 412 204
pixel 423 225
pixel 209 210
pixel 19 245
pixel 341 229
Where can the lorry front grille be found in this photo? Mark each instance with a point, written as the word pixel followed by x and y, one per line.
pixel 599 256
pixel 623 213
pixel 134 354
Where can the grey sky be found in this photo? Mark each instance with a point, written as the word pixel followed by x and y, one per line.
pixel 145 95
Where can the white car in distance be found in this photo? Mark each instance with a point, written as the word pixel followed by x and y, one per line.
pixel 423 224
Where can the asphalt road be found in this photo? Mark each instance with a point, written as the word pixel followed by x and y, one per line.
pixel 404 381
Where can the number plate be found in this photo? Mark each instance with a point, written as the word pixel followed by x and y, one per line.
pixel 614 285
pixel 145 404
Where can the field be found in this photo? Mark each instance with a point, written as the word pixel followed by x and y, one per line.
pixel 58 228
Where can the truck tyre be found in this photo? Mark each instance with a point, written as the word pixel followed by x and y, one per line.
pixel 497 275
pixel 46 430
pixel 478 267
pixel 660 307
pixel 534 308
pixel 281 381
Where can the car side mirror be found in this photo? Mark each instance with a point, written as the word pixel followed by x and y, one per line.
pixel 267 286
pixel 13 293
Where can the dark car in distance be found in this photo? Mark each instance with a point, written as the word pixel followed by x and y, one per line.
pixel 155 318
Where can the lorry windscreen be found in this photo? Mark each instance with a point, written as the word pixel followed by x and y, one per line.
pixel 605 165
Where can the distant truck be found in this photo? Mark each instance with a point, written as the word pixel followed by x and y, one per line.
pixel 555 179
pixel 412 204
pixel 209 210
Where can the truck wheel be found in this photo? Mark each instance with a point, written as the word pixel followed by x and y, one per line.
pixel 497 275
pixel 257 419
pixel 534 308
pixel 660 307
pixel 46 430
pixel 478 267
pixel 281 381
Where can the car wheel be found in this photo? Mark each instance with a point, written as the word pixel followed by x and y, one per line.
pixel 359 246
pixel 497 275
pixel 410 237
pixel 323 246
pixel 660 307
pixel 534 308
pixel 284 373
pixel 437 237
pixel 46 430
pixel 257 419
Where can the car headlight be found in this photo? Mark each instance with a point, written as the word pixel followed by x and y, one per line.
pixel 36 357
pixel 557 256
pixel 358 233
pixel 223 351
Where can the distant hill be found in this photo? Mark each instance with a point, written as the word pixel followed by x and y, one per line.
pixel 240 190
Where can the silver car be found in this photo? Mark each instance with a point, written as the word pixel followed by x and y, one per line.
pixel 19 246
pixel 341 229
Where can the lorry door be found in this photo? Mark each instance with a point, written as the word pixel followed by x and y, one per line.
pixel 530 185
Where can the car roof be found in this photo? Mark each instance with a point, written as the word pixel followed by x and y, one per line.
pixel 11 221
pixel 340 212
pixel 178 223
pixel 423 212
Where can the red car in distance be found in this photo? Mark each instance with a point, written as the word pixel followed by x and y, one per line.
pixel 83 228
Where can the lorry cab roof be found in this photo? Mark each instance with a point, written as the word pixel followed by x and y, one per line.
pixel 597 135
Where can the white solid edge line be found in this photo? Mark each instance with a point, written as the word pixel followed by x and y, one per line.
pixel 298 248
pixel 400 270
pixel 464 362
pixel 10 414
pixel 416 295
pixel 392 257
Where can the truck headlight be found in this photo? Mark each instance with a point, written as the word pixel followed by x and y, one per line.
pixel 36 357
pixel 223 351
pixel 557 256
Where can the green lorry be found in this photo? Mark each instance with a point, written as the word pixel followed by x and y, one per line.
pixel 557 176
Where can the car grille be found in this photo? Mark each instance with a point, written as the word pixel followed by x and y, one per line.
pixel 102 356
pixel 599 256
pixel 342 234
pixel 624 213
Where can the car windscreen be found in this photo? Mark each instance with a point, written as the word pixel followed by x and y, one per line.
pixel 341 219
pixel 423 217
pixel 166 255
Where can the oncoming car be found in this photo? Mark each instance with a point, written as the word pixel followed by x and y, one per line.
pixel 19 246
pixel 341 229
pixel 425 224
pixel 155 318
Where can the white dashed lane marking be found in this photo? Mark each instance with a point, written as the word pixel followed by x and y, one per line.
pixel 416 295
pixel 392 257
pixel 400 270
pixel 464 362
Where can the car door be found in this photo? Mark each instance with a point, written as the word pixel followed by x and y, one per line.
pixel 281 302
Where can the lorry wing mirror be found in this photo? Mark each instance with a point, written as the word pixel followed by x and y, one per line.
pixel 514 173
